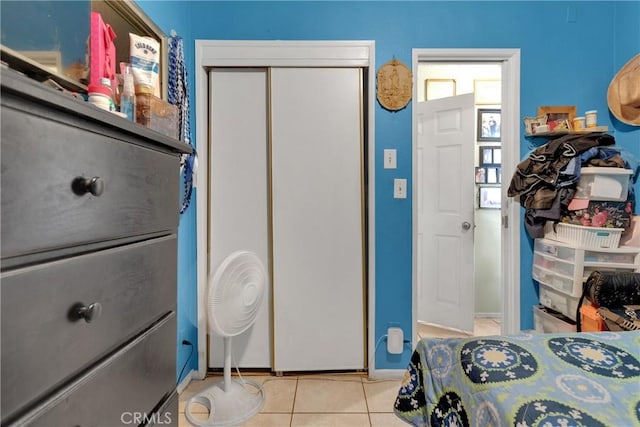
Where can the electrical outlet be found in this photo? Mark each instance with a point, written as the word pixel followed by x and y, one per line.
pixel 395 340
pixel 399 188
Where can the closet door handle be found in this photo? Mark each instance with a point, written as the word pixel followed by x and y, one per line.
pixel 466 225
pixel 81 185
pixel 89 312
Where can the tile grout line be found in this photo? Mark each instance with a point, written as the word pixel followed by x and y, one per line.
pixel 366 402
pixel 293 405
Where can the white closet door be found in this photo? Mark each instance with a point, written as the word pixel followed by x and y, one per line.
pixel 317 219
pixel 239 194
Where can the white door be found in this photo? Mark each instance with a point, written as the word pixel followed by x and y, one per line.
pixel 317 194
pixel 445 211
pixel 238 210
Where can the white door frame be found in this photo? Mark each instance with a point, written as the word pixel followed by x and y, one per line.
pixel 510 129
pixel 234 53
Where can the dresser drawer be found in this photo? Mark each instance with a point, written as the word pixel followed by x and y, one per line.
pixel 44 343
pixel 129 384
pixel 46 165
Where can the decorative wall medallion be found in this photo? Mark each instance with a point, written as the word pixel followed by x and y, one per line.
pixel 394 85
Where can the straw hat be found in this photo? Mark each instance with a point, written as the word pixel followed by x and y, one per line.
pixel 623 95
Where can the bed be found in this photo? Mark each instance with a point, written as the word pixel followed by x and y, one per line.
pixel 525 380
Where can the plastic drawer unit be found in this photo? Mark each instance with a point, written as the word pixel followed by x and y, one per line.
pixel 565 267
pixel 546 320
pixel 561 268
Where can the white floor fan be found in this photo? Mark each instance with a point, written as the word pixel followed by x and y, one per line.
pixel 234 298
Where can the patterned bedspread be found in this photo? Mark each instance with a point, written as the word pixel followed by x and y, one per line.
pixel 585 379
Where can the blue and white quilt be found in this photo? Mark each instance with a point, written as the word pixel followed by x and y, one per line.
pixel 527 380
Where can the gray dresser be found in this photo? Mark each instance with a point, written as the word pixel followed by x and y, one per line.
pixel 89 263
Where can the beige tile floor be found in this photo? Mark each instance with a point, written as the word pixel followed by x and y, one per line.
pixel 341 400
pixel 319 400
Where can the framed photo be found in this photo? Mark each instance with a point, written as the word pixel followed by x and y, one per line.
pixel 481 175
pixel 497 156
pixel 490 156
pixel 439 88
pixel 558 117
pixel 488 124
pixel 489 198
pixel 531 123
pixel 487 91
pixel 493 175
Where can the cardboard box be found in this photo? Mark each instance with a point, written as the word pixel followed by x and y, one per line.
pixel 156 114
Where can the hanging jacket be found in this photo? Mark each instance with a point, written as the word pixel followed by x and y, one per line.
pixel 538 177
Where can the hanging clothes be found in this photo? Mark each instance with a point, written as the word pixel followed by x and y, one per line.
pixel 538 177
pixel 179 96
pixel 546 179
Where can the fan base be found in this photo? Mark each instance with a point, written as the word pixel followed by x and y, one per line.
pixel 226 408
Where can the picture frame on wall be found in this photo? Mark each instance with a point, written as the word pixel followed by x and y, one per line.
pixel 493 175
pixel 489 124
pixel 489 156
pixel 489 197
pixel 487 91
pixel 558 117
pixel 481 175
pixel 439 88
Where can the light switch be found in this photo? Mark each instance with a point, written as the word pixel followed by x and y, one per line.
pixel 399 188
pixel 389 158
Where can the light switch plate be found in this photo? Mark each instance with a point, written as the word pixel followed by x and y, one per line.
pixel 390 158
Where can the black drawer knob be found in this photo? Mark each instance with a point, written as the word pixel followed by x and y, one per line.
pixel 81 185
pixel 87 312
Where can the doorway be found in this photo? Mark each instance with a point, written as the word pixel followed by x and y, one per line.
pixel 503 213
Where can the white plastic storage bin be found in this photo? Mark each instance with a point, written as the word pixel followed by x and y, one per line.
pixel 558 301
pixel 586 237
pixel 600 183
pixel 564 267
pixel 546 320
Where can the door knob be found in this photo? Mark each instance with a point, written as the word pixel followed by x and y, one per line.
pixel 466 225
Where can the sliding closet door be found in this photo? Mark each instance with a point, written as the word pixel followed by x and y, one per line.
pixel 239 194
pixel 317 213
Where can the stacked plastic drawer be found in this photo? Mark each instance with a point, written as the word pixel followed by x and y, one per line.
pixel 561 268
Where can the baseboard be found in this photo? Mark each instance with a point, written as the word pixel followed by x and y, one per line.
pixel 185 382
pixel 492 315
pixel 386 374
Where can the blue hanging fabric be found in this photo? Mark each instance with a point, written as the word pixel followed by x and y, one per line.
pixel 179 96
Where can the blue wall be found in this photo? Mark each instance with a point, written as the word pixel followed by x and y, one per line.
pixel 175 16
pixel 562 63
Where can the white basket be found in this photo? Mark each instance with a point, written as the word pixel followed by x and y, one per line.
pixel 585 237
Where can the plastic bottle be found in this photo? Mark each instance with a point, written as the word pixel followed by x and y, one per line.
pixel 108 90
pixel 100 96
pixel 128 97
